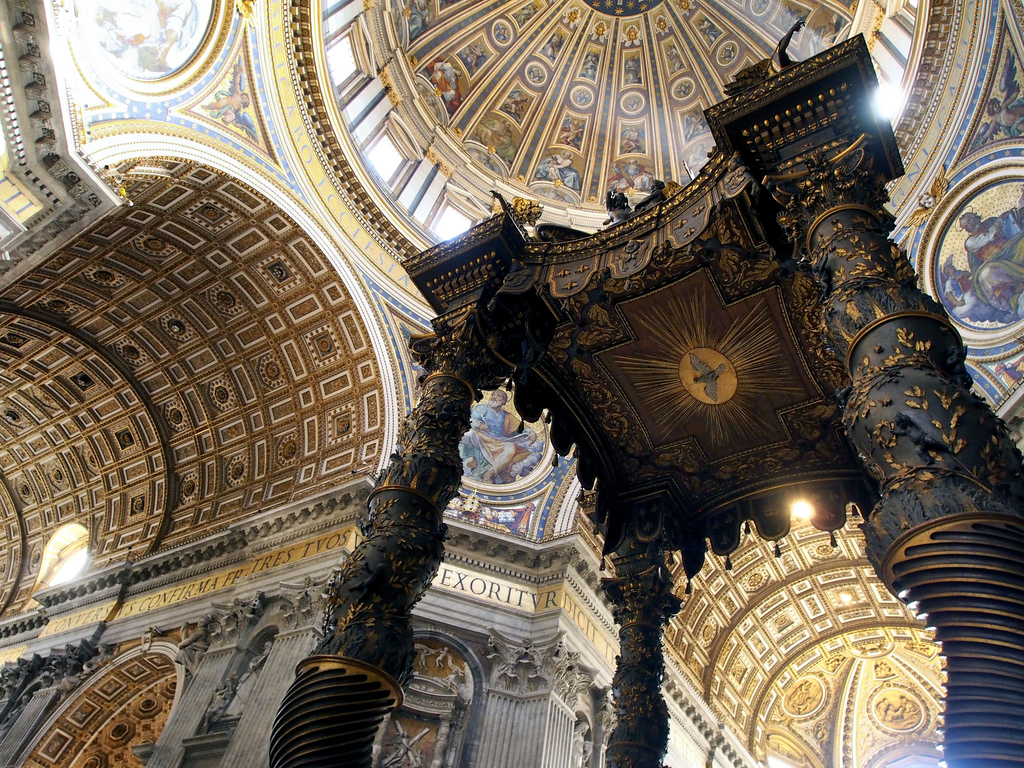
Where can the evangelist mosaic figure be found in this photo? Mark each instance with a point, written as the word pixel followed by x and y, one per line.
pixel 494 451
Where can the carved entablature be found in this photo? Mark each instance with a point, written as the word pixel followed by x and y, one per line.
pixel 824 104
pixel 524 668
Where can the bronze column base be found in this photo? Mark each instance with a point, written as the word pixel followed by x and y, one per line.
pixel 965 577
pixel 330 690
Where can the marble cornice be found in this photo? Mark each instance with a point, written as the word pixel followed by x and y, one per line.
pixel 192 559
pixel 537 563
pixel 701 724
pixel 68 188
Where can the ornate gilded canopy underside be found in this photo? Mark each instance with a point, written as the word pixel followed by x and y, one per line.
pixel 687 360
pixel 686 364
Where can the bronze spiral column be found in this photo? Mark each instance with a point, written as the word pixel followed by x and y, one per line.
pixel 642 604
pixel 341 694
pixel 948 532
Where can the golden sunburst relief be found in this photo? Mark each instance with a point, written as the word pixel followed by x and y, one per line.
pixel 693 369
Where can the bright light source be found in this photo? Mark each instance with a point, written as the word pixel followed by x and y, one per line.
pixel 71 568
pixel 845 598
pixel 802 509
pixel 451 223
pixel 341 62
pixel 888 101
pixel 384 157
pixel 775 762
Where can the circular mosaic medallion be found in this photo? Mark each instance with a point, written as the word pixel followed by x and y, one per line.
pixel 582 97
pixel 979 261
pixel 500 449
pixel 632 102
pixel 536 74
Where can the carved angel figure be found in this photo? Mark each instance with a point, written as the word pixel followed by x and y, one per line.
pixel 926 203
pixel 762 70
pixel 403 752
pixel 194 644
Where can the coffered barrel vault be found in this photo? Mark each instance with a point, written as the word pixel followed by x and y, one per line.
pixel 178 367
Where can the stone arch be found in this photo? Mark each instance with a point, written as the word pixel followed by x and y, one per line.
pixel 441 705
pixel 115 716
pixel 344 254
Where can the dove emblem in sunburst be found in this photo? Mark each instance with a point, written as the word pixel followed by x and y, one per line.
pixel 695 368
pixel 707 376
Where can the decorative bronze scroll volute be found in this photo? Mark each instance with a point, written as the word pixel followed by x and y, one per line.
pixel 948 531
pixel 642 603
pixel 332 711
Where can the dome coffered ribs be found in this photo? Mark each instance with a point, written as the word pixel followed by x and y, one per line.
pixel 250 363
pixel 571 98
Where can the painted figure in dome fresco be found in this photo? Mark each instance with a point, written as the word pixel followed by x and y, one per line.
pixel 494 451
pixel 553 46
pixel 473 56
pixel 446 80
pixel 231 105
pixel 674 58
pixel 1004 109
pixel 992 286
pixel 571 132
pixel 1009 374
pixel 516 104
pixel 631 175
pixel 590 64
pixel 497 132
pixel 559 167
pixel 631 70
pixel 419 15
pixel 527 12
pixel 147 37
pixel 632 139
pixel 709 30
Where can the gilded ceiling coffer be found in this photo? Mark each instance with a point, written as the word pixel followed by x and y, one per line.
pixel 342 693
pixel 948 531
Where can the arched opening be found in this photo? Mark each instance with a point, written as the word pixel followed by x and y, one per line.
pixel 65 556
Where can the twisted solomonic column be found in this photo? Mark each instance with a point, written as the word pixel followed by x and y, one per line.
pixel 342 693
pixel 948 532
pixel 642 604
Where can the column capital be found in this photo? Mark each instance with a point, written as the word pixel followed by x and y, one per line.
pixel 831 178
pixel 462 350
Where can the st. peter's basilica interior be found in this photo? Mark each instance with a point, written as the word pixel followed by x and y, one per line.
pixel 221 224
